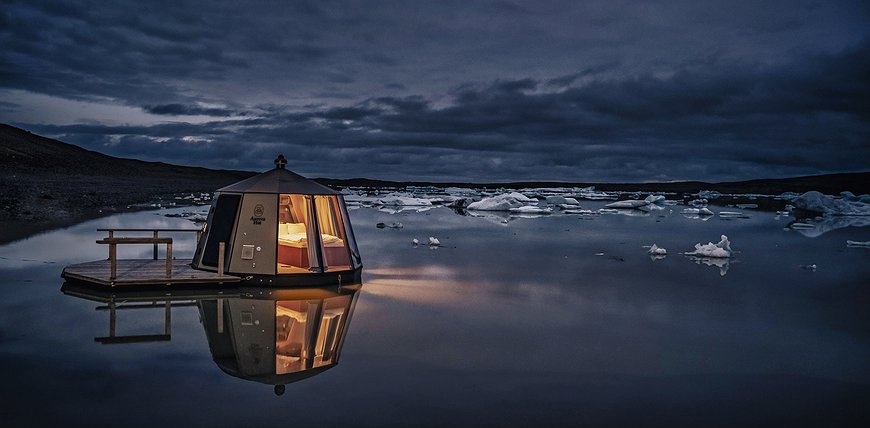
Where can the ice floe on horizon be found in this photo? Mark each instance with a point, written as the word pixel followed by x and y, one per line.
pixel 846 205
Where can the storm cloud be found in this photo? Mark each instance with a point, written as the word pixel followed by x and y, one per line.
pixel 476 91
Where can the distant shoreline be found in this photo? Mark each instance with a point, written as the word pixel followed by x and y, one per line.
pixel 46 183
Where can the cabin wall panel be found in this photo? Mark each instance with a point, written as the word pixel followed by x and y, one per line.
pixel 257 226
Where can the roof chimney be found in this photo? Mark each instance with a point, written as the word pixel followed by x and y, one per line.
pixel 280 162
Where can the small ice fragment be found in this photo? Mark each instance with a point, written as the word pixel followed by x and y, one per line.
pixel 722 249
pixel 434 242
pixel 732 214
pixel 699 211
pixel 528 209
pixel 599 254
pixel 811 267
pixel 802 226
pixel 415 242
pixel 628 203
pixel 656 250
pixel 861 244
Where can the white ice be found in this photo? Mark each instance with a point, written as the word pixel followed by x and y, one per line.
pixel 698 211
pixel 722 249
pixel 657 251
pixel 862 244
pixel 503 202
pixel 434 242
pixel 828 205
pixel 403 201
pixel 528 209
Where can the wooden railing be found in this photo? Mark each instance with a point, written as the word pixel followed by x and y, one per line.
pixel 155 233
pixel 155 240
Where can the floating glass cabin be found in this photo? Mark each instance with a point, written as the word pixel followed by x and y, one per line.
pixel 280 228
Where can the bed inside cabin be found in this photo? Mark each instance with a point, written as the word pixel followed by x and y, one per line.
pixel 294 254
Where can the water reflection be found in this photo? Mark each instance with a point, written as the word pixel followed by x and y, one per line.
pixel 271 336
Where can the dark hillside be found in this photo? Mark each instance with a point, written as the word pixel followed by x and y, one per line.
pixel 45 181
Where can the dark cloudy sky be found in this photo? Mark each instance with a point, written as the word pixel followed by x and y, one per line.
pixel 450 90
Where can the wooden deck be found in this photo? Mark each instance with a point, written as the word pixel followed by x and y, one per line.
pixel 143 272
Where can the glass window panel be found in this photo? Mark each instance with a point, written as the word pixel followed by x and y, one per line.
pixel 336 255
pixel 294 235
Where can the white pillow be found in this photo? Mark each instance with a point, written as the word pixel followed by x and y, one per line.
pixel 294 228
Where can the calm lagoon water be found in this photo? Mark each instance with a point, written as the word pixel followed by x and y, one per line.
pixel 558 320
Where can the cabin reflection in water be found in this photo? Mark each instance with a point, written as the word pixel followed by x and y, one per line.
pixel 272 336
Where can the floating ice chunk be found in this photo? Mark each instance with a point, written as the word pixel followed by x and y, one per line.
pixel 732 214
pixel 557 200
pixel 655 199
pixel 628 203
pixel 788 196
pixel 581 212
pixel 591 194
pixel 608 211
pixel 415 242
pixel 861 244
pixel 709 194
pixel 722 249
pixel 828 205
pixel 503 202
pixel 528 209
pixel 657 251
pixel 783 213
pixel 404 201
pixel 698 211
pixel 811 267
pixel 434 242
pixel 747 206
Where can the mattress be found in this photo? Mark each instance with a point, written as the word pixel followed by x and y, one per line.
pixel 300 240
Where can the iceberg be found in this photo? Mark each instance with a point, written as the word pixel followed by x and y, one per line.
pixel 638 203
pixel 817 202
pixel 655 199
pixel 722 249
pixel 503 202
pixel 698 211
pixel 528 209
pixel 402 201
pixel 731 214
pixel 628 203
pixel 657 251
pixel 709 194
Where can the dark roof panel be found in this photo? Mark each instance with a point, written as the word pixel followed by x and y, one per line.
pixel 279 180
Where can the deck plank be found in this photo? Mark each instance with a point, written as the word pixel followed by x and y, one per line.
pixel 143 272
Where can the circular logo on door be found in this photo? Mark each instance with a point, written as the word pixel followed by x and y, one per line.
pixel 258 211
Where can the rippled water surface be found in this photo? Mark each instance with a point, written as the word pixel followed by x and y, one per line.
pixel 558 320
